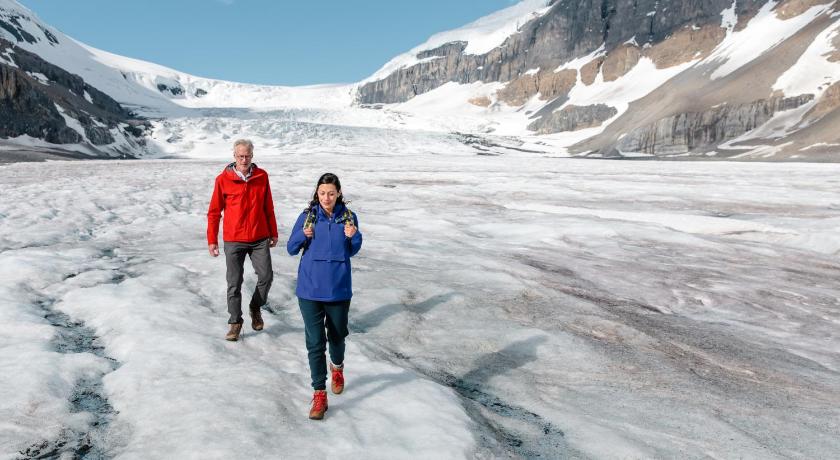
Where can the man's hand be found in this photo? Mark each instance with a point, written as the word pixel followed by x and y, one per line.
pixel 272 242
pixel 349 231
pixel 214 249
pixel 308 232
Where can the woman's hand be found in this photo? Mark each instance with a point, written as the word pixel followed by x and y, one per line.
pixel 349 231
pixel 308 232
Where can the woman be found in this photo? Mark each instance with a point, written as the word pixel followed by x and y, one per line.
pixel 328 234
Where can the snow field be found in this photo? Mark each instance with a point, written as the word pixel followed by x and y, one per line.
pixel 511 305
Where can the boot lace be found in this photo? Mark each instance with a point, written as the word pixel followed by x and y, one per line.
pixel 338 376
pixel 319 401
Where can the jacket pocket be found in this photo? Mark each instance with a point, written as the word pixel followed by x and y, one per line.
pixel 329 243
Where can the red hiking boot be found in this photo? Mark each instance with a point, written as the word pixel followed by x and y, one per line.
pixel 337 380
pixel 319 405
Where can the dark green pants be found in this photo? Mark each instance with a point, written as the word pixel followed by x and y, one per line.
pixel 324 323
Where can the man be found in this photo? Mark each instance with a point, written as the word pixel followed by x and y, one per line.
pixel 242 192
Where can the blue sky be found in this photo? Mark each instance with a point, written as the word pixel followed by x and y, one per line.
pixel 277 42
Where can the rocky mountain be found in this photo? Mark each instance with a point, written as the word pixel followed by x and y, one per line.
pixel 731 79
pixel 568 30
pixel 662 78
pixel 44 106
pixel 44 101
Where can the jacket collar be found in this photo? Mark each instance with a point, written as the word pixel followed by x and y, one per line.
pixel 230 170
pixel 338 211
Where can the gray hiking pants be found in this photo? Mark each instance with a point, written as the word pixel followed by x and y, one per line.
pixel 235 253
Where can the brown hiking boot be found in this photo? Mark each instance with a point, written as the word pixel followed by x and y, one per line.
pixel 233 333
pixel 337 380
pixel 256 319
pixel 319 405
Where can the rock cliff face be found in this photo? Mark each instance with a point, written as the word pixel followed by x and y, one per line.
pixel 573 118
pixel 39 99
pixel 26 110
pixel 570 29
pixel 548 84
pixel 686 132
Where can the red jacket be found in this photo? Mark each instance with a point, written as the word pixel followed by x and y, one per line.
pixel 247 206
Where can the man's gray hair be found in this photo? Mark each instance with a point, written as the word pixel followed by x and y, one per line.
pixel 246 143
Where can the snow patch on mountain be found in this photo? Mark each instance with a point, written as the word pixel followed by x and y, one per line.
pixel 729 18
pixel 41 78
pixel 71 122
pixel 813 72
pixel 7 58
pixel 618 94
pixel 578 63
pixel 764 31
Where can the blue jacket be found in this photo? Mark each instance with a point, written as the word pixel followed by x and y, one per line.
pixel 324 270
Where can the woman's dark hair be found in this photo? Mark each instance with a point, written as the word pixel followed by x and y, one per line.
pixel 327 178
